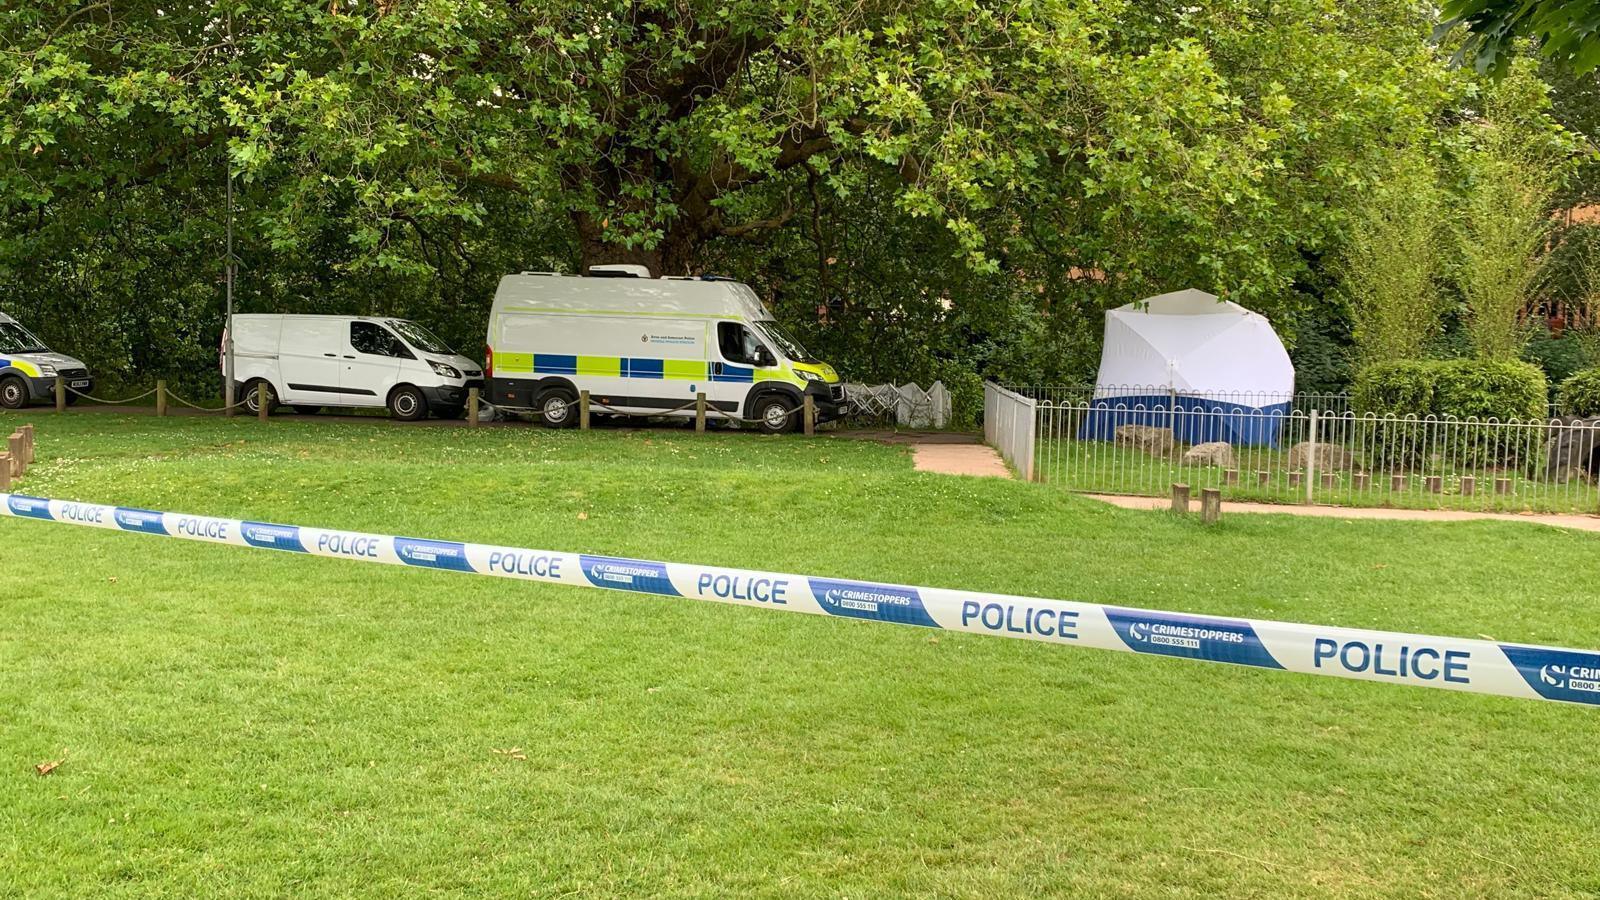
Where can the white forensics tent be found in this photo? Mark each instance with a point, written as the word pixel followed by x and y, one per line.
pixel 1188 352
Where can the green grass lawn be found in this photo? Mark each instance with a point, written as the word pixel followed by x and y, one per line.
pixel 256 723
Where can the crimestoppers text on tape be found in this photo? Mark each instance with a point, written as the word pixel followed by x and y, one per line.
pixel 1478 666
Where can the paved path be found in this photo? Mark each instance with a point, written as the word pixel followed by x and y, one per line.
pixel 1575 521
pixel 945 452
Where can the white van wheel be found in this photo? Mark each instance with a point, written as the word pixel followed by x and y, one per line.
pixel 252 398
pixel 13 393
pixel 558 408
pixel 407 404
pixel 773 415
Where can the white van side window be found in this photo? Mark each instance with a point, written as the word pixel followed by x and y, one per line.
pixel 737 343
pixel 375 340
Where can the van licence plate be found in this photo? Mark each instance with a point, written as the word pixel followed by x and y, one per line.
pixel 80 384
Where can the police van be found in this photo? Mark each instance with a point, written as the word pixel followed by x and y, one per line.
pixel 309 362
pixel 647 346
pixel 28 369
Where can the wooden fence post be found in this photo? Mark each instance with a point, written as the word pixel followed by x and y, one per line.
pixel 811 415
pixel 161 397
pixel 583 410
pixel 472 407
pixel 261 401
pixel 19 456
pixel 61 394
pixel 1180 498
pixel 1210 506
pixel 28 444
pixel 5 473
pixel 700 412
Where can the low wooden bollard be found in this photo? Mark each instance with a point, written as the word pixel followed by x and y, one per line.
pixel 161 398
pixel 472 407
pixel 1502 485
pixel 19 455
pixel 1296 479
pixel 1210 506
pixel 1329 481
pixel 1469 485
pixel 1435 484
pixel 61 394
pixel 28 444
pixel 583 410
pixel 810 415
pixel 700 413
pixel 1230 476
pixel 1180 498
pixel 5 473
pixel 1397 482
pixel 1263 477
pixel 1361 481
pixel 262 410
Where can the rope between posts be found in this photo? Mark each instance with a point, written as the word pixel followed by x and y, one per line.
pixel 197 406
pixel 111 402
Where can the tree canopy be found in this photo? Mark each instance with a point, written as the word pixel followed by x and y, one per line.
pixel 925 188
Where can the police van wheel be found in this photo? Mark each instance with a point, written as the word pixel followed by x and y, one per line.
pixel 772 415
pixel 252 398
pixel 13 393
pixel 407 404
pixel 558 408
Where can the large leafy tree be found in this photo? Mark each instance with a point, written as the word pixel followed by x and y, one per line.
pixel 1567 31
pixel 1026 162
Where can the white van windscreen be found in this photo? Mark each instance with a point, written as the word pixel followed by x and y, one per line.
pixel 420 338
pixel 790 347
pixel 16 339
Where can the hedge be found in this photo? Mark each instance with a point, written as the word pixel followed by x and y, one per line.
pixel 1460 389
pixel 1579 394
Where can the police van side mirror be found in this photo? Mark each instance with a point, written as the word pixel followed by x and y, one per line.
pixel 764 357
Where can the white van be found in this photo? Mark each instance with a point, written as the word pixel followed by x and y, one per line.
pixel 309 362
pixel 28 369
pixel 647 345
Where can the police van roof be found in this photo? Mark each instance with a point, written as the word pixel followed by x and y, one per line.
pixel 576 294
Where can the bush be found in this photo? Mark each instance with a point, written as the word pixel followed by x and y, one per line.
pixel 1459 389
pixel 1579 394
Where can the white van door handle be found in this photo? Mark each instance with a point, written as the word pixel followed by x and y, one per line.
pixel 330 355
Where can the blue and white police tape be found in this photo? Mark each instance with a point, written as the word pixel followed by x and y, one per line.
pixel 1485 667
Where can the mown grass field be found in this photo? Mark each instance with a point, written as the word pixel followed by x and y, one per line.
pixel 250 723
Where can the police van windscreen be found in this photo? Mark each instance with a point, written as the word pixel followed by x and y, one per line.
pixel 420 338
pixel 790 347
pixel 16 339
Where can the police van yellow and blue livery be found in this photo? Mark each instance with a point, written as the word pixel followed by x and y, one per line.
pixel 29 369
pixel 647 346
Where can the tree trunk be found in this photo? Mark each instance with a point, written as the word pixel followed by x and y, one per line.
pixel 674 255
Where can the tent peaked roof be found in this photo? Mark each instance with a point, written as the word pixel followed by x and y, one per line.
pixel 1188 302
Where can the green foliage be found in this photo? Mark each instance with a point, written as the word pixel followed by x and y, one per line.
pixel 1559 356
pixel 1564 29
pixel 986 178
pixel 1579 394
pixel 1458 390
pixel 1389 261
pixel 1513 170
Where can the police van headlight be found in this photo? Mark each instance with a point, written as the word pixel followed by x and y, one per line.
pixel 440 368
pixel 807 375
pixel 45 370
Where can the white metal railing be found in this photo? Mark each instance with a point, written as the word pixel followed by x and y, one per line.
pixel 1543 465
pixel 1326 402
pixel 1009 421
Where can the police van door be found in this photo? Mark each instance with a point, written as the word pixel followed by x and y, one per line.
pixel 732 366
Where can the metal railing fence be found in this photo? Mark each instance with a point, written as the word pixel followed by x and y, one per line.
pixel 1340 458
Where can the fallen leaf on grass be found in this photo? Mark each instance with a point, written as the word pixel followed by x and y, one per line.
pixel 513 752
pixel 45 768
pixel 583 517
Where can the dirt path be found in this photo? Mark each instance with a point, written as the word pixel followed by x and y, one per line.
pixel 1575 521
pixel 945 452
